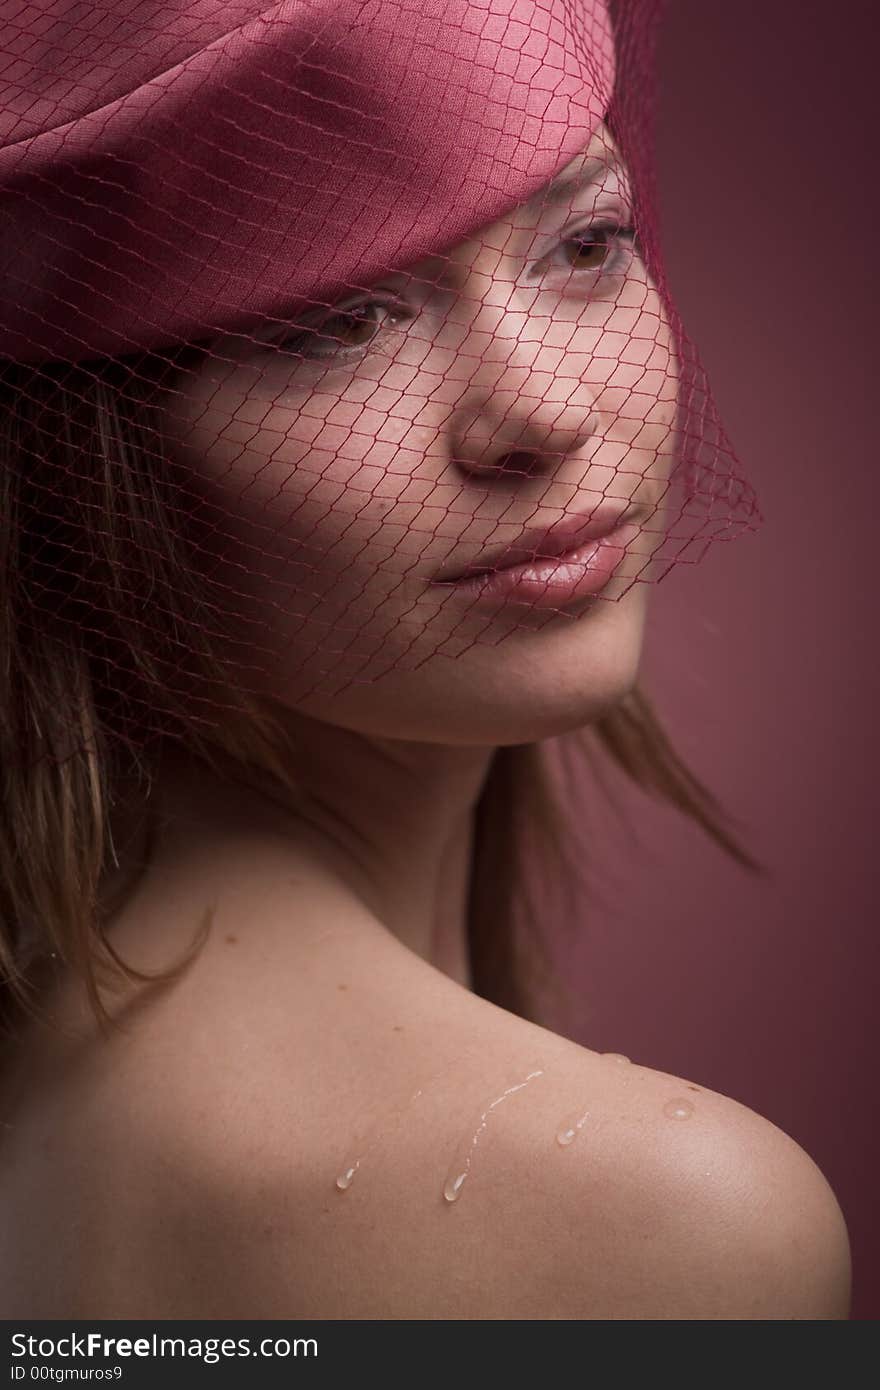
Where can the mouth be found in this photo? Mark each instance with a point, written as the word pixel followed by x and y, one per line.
pixel 538 544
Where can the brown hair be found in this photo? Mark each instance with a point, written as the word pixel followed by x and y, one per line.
pixel 92 538
pixel 522 827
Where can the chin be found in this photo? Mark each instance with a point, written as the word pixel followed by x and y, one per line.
pixel 529 686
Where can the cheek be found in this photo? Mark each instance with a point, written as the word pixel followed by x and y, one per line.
pixel 306 490
pixel 308 516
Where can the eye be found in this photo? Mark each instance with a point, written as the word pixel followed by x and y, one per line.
pixel 601 246
pixel 347 330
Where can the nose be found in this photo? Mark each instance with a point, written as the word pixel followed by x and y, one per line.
pixel 516 429
pixel 523 412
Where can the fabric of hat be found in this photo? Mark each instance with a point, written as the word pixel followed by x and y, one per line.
pixel 169 167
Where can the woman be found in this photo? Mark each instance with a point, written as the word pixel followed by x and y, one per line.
pixel 235 565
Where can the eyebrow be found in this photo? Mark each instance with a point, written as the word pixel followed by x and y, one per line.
pixel 564 184
pixel 552 192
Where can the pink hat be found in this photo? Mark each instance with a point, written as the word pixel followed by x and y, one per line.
pixel 170 168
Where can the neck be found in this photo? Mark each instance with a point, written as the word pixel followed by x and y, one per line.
pixel 394 819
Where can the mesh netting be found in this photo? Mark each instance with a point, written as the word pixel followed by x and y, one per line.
pixel 335 339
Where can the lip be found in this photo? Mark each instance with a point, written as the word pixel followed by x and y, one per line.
pixel 538 543
pixel 552 583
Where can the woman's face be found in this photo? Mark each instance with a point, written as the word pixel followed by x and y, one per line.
pixel 524 376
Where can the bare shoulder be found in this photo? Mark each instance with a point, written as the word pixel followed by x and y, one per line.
pixel 316 1123
pixel 682 1203
pixel 379 1142
pixel 475 1166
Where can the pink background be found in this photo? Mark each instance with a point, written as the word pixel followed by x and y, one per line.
pixel 763 659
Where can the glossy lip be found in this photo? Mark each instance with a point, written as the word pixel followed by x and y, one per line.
pixel 539 543
pixel 554 583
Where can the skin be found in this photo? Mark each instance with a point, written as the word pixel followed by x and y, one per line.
pixel 391 770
